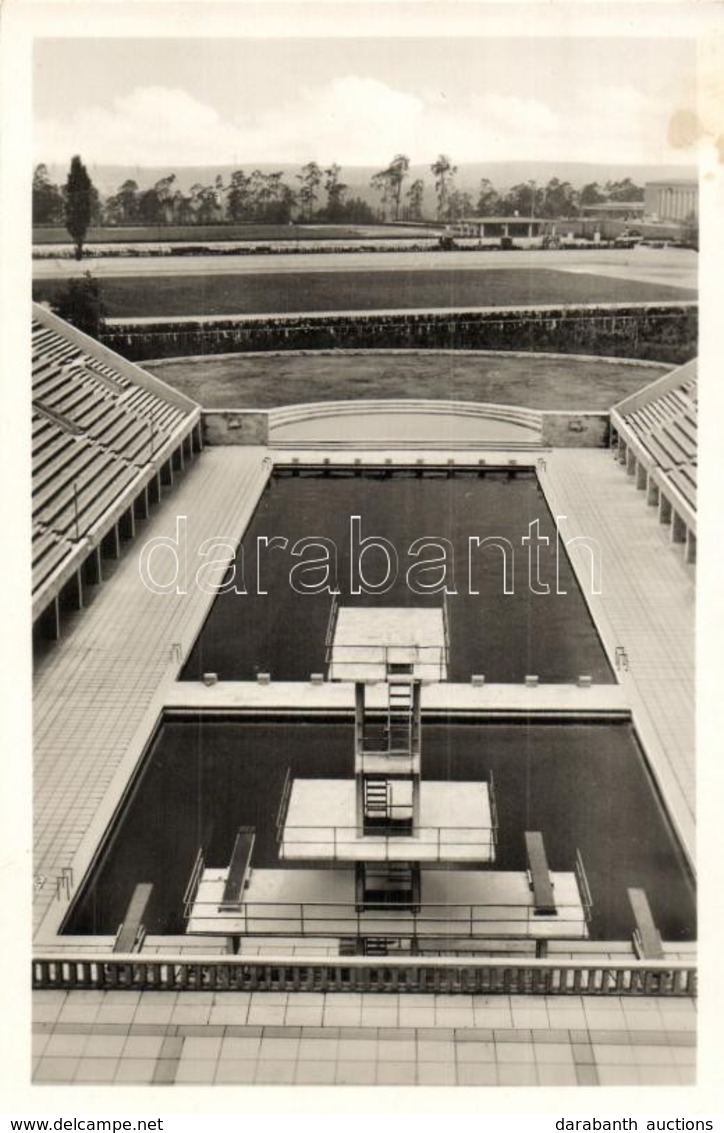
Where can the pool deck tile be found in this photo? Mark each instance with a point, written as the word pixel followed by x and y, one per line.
pixel 276 1055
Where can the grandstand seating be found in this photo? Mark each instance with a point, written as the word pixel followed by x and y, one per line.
pixel 663 418
pixel 657 434
pixel 98 437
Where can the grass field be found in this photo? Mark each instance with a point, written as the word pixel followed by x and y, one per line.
pixel 537 381
pixel 289 292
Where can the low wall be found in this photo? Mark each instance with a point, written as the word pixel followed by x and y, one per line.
pixel 235 426
pixel 575 430
pixel 665 332
pixel 262 427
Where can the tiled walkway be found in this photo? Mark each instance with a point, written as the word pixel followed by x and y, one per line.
pixel 160 1038
pixel 84 722
pixel 646 605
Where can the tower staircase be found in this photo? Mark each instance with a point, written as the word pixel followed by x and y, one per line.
pixel 400 715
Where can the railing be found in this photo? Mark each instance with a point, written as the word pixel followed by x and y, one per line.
pixel 496 920
pixel 193 883
pixel 331 623
pixel 438 842
pixel 392 974
pixel 446 631
pixel 493 804
pixel 384 655
pixel 284 803
pixel 376 747
pixel 583 887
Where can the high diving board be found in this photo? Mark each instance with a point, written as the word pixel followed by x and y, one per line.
pixel 371 642
pixel 455 904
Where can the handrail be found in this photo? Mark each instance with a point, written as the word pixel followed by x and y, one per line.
pixel 445 838
pixel 462 921
pixel 584 888
pixel 383 652
pixel 331 623
pixel 493 804
pixel 445 657
pixel 403 974
pixel 284 803
pixel 385 648
pixel 193 883
pixel 405 809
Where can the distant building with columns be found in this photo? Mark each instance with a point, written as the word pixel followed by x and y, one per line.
pixel 493 227
pixel 676 201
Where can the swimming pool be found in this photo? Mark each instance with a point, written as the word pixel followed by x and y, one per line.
pixel 514 606
pixel 583 785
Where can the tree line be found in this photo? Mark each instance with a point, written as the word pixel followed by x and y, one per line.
pixel 317 195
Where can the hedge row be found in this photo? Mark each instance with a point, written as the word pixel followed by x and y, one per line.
pixel 664 333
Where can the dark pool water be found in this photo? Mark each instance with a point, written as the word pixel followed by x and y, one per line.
pixel 584 785
pixel 504 636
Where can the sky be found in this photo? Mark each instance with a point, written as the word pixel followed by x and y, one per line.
pixel 359 101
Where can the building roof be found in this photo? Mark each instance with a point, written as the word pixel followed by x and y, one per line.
pixel 614 206
pixel 675 183
pixel 501 220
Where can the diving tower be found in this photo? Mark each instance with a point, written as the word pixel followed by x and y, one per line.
pixel 387 856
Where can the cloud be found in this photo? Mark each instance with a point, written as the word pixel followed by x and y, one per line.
pixel 353 120
pixel 357 120
pixel 150 126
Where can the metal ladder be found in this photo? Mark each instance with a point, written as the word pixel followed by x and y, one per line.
pixel 377 800
pixel 399 715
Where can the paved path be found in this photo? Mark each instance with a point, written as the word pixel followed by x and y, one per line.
pixel 674 266
pixel 646 605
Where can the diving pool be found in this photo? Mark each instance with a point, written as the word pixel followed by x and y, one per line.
pixel 514 606
pixel 584 785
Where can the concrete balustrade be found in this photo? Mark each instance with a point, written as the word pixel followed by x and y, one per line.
pixel 454 975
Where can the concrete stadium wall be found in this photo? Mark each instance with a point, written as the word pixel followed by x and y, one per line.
pixel 665 332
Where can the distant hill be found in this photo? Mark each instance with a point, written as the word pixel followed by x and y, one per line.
pixel 502 174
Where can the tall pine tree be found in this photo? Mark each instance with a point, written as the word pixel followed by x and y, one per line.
pixel 78 203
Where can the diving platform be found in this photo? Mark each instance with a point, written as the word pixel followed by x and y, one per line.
pixel 322 903
pixel 374 643
pixel 455 823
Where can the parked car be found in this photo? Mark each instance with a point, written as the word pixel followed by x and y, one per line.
pixel 628 239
